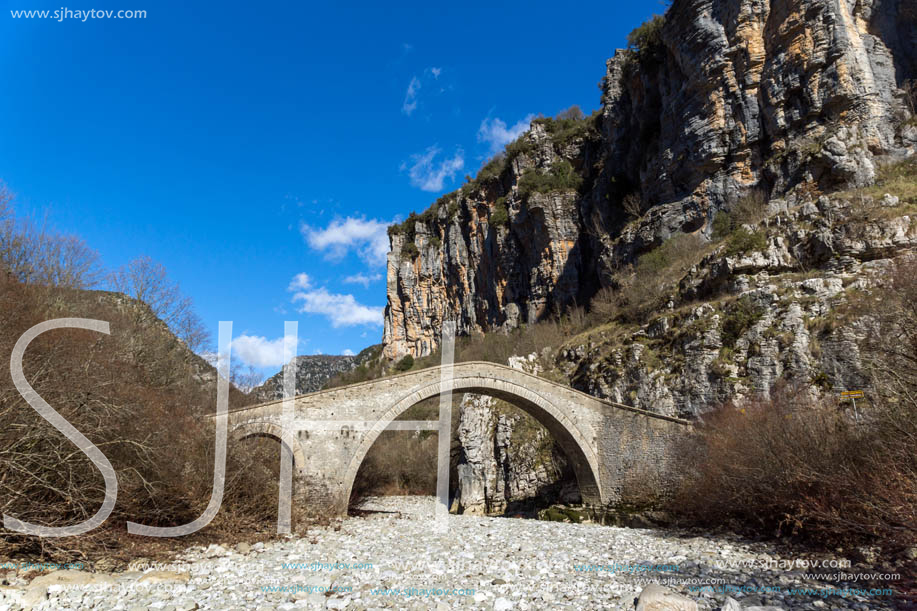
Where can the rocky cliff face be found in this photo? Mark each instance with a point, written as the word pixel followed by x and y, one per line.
pixel 312 372
pixel 739 322
pixel 720 99
pixel 749 172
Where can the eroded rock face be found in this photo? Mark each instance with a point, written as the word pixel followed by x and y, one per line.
pixel 507 456
pixel 739 96
pixel 311 374
pixel 750 319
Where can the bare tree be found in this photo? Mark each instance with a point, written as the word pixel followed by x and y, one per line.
pixel 145 280
pixel 37 255
pixel 573 113
pixel 245 380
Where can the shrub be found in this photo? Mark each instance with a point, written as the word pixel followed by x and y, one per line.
pixel 739 318
pixel 744 241
pixel 492 169
pixel 747 210
pixel 569 125
pixel 646 40
pixel 791 466
pixel 399 462
pixel 499 216
pixel 405 364
pixel 642 286
pixel 571 114
pixel 137 394
pixel 723 225
pixel 560 177
pixel 519 146
pixel 409 250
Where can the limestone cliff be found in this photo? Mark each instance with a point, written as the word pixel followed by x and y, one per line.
pixel 718 100
pixel 722 215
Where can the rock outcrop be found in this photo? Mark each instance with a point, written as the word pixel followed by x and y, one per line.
pixel 717 100
pixel 507 456
pixel 312 372
pixel 779 114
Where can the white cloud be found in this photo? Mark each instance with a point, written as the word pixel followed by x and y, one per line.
pixel 258 351
pixel 348 352
pixel 368 237
pixel 497 135
pixel 412 94
pixel 361 278
pixel 428 175
pixel 341 310
pixel 410 97
pixel 300 282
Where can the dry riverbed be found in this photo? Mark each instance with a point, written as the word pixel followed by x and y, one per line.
pixel 394 558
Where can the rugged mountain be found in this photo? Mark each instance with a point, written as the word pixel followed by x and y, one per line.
pixel 716 101
pixel 312 373
pixel 749 173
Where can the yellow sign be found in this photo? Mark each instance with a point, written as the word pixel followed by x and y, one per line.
pixel 853 394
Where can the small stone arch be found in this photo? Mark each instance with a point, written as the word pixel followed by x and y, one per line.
pixel 270 429
pixel 571 439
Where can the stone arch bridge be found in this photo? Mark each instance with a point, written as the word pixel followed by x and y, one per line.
pixel 608 444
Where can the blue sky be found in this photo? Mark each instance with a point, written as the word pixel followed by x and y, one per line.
pixel 258 151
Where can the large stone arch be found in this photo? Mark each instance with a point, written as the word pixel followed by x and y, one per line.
pixel 269 429
pixel 573 441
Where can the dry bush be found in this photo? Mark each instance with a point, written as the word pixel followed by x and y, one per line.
pixel 787 465
pixel 754 466
pixel 136 394
pixel 400 462
pixel 37 255
pixel 525 340
pixel 632 205
pixel 643 287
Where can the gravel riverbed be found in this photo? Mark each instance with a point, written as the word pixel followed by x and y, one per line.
pixel 395 558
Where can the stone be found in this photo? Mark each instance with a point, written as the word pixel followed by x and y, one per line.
pixel 37 590
pixel 164 577
pixel 502 604
pixel 731 604
pixel 243 547
pixel 659 598
pixel 889 200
